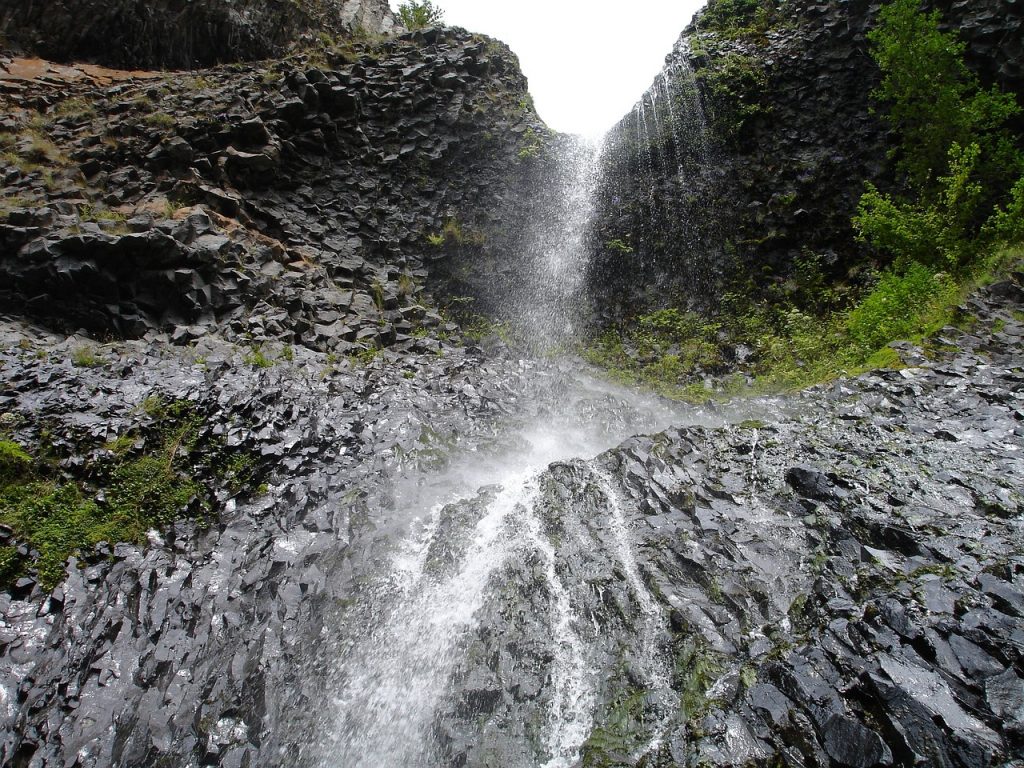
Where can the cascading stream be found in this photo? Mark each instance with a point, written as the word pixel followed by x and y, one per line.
pixel 514 557
pixel 393 683
pixel 553 296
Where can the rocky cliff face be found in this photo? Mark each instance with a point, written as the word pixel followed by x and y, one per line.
pixel 753 148
pixel 224 240
pixel 143 34
pixel 291 201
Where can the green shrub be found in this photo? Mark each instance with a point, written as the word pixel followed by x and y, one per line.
pixel 903 305
pixel 418 15
pixel 1007 224
pixel 934 101
pixel 955 147
pixel 935 232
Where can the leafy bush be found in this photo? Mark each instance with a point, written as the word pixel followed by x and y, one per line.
pixel 955 146
pixel 1008 224
pixel 935 232
pixel 418 15
pixel 935 101
pixel 902 305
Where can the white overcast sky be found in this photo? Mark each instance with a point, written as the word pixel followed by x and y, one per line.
pixel 588 62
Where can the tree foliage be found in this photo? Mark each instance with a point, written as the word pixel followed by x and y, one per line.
pixel 955 146
pixel 418 15
pixel 934 100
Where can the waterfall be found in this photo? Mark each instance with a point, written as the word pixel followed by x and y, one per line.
pixel 488 633
pixel 504 561
pixel 660 204
pixel 552 300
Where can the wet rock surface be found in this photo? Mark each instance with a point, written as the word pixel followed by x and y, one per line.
pixel 291 201
pixel 793 139
pixel 195 648
pixel 837 583
pixel 828 579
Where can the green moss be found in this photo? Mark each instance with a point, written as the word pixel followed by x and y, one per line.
pixel 696 669
pixel 622 731
pixel 748 676
pixel 812 332
pixel 739 18
pixel 121 444
pixel 14 461
pixel 886 357
pixel 116 499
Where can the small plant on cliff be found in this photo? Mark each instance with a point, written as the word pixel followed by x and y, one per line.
pixel 736 85
pixel 159 120
pixel 418 15
pixel 257 358
pixel 738 18
pixel 619 246
pixel 85 357
pixel 531 145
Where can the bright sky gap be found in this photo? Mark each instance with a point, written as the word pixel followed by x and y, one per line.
pixel 588 63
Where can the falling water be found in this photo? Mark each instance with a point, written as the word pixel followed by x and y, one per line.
pixel 553 300
pixel 490 532
pixel 394 678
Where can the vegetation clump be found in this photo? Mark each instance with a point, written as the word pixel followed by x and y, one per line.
pixel 962 165
pixel 739 18
pixel 419 15
pixel 133 484
pixel 736 85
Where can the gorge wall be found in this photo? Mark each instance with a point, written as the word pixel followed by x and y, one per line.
pixel 140 34
pixel 790 138
pixel 319 180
